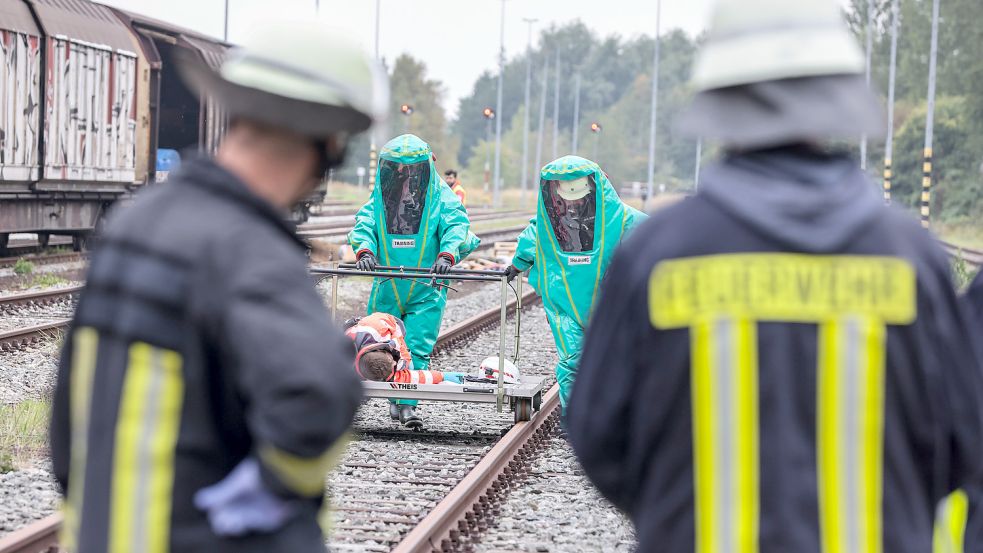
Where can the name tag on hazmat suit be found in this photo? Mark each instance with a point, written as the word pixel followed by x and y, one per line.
pixel 578 260
pixel 404 242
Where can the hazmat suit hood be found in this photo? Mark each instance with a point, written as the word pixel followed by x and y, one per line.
pixel 788 193
pixel 575 247
pixel 412 210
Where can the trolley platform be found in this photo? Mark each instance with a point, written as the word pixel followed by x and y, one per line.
pixel 523 397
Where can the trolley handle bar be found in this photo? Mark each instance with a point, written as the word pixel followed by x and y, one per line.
pixel 453 271
pixel 405 275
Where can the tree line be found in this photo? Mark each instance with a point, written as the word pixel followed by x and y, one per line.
pixel 615 91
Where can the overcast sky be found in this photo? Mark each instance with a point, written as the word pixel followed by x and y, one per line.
pixel 457 39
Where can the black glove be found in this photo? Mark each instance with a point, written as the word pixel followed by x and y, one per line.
pixel 511 272
pixel 367 262
pixel 442 266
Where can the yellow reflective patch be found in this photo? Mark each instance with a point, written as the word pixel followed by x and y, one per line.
pixel 85 345
pixel 303 475
pixel 950 523
pixel 850 436
pixel 147 427
pixel 781 287
pixel 724 394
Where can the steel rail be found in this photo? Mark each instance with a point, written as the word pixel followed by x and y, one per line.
pixel 470 506
pixel 23 337
pixel 43 297
pixel 972 257
pixel 42 536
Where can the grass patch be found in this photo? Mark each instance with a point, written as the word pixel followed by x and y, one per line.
pixel 23 433
pixel 47 280
pixel 23 267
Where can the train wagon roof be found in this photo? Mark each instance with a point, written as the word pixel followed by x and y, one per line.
pixel 86 21
pixel 16 16
pixel 212 49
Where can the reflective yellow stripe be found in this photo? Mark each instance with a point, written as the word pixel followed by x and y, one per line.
pixel 724 388
pixel 600 254
pixel 85 345
pixel 303 475
pixel 850 429
pixel 950 523
pixel 143 460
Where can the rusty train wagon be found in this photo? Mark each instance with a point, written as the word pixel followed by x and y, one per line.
pixel 88 98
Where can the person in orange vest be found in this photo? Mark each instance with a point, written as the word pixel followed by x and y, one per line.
pixel 450 177
pixel 383 356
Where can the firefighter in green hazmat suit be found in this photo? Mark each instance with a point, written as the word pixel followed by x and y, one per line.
pixel 580 220
pixel 412 219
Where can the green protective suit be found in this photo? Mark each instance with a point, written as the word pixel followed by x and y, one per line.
pixel 566 271
pixel 406 226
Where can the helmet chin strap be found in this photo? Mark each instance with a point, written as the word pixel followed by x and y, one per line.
pixel 330 154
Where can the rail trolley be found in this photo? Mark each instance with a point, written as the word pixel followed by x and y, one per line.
pixel 523 397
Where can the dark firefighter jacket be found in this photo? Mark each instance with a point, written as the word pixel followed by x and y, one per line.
pixel 794 371
pixel 972 517
pixel 198 340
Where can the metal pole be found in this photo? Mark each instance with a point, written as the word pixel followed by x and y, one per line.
pixel 375 131
pixel 556 107
pixel 889 144
pixel 487 152
pixel 542 121
pixel 576 113
pixel 225 31
pixel 930 119
pixel 378 10
pixel 525 121
pixel 870 47
pixel 655 102
pixel 501 345
pixel 699 157
pixel 597 138
pixel 496 192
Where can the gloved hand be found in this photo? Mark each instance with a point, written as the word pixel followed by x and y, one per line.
pixel 367 262
pixel 442 266
pixel 511 272
pixel 239 504
pixel 454 378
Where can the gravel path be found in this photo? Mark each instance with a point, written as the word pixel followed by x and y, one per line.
pixel 26 496
pixel 21 316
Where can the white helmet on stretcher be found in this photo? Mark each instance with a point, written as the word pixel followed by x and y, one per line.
pixel 488 370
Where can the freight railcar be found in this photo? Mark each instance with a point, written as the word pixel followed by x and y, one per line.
pixel 89 99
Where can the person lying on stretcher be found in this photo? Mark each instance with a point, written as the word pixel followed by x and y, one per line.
pixel 382 354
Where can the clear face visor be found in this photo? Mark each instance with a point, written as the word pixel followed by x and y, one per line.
pixel 404 194
pixel 571 206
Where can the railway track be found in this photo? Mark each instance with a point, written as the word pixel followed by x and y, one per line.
pixel 972 258
pixel 27 336
pixel 466 505
pixel 44 259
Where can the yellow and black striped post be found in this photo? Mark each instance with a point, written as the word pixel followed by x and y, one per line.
pixel 887 180
pixel 926 187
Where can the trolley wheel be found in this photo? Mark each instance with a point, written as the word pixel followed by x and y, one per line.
pixel 537 402
pixel 523 410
